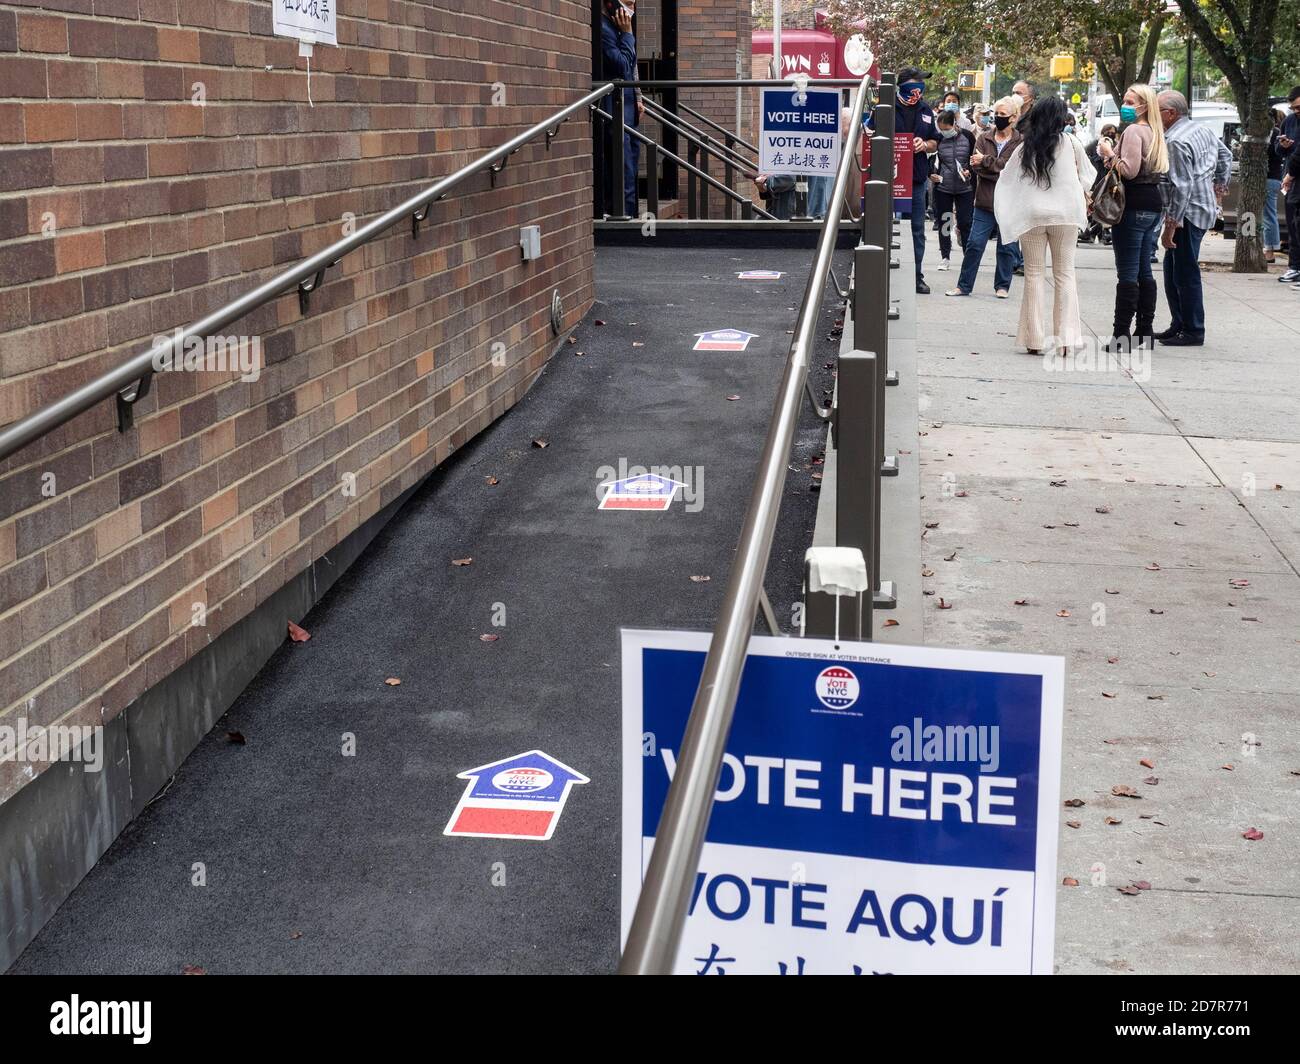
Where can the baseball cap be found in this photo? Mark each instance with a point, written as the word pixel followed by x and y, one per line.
pixel 911 73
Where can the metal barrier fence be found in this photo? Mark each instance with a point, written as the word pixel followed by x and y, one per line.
pixel 857 418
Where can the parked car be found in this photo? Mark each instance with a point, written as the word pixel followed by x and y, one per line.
pixel 1232 198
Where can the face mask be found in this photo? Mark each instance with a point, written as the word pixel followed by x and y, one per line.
pixel 950 107
pixel 1128 114
pixel 908 88
pixel 1002 121
pixel 946 133
pixel 984 121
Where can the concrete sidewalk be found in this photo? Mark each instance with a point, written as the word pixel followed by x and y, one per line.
pixel 1150 530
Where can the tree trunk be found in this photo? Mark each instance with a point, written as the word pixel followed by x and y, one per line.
pixel 1252 177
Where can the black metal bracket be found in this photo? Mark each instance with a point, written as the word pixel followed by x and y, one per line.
pixel 128 397
pixel 416 218
pixel 306 288
pixel 497 167
pixel 551 134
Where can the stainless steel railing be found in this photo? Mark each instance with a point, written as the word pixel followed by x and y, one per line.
pixel 132 377
pixel 656 930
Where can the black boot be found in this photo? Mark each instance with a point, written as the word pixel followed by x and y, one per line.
pixel 1126 303
pixel 1144 327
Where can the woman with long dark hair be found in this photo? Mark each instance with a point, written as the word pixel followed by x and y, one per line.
pixel 1041 201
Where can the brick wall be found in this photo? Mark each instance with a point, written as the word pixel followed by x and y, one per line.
pixel 714 41
pixel 157 159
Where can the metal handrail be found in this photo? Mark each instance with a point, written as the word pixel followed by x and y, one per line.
pixel 713 182
pixel 699 138
pixel 306 275
pixel 656 929
pixel 720 128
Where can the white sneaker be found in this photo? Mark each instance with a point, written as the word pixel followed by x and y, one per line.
pixel 1290 275
pixel 1002 293
pixel 943 265
pixel 956 292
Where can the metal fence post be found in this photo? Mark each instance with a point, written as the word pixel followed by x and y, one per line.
pixel 871 333
pixel 857 491
pixel 619 156
pixel 692 157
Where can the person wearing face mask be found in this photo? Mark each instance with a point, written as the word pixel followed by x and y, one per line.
pixel 952 104
pixel 954 188
pixel 913 115
pixel 993 148
pixel 1142 160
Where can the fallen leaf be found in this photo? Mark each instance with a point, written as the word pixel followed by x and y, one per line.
pixel 961 495
pixel 193 969
pixel 492 482
pixel 1239 583
pixel 1069 881
pixel 732 398
pixel 637 343
pixel 487 637
pixel 1250 618
pixel 237 738
pixel 1063 613
pixel 1151 781
pixel 1142 884
pixel 1123 790
pixel 1111 742
pixel 1107 694
pixel 571 340
pixel 298 635
pixel 1101 509
pixel 1252 834
pixel 1227 768
pixel 927 572
pixel 1021 602
pixel 1074 803
pixel 1074 823
pixel 295 934
pixel 1131 889
pixel 1057 483
pixel 932 524
pixel 540 443
pixel 1154 567
pixel 1113 820
pixel 1112 591
pixel 950 557
pixel 599 322
pixel 1158 613
pixel 944 605
pixel 1155 698
pixel 1071 524
pixel 1112 661
pixel 927 591
pixel 1146 762
pixel 393 681
pixel 461 561
pixel 701 579
pixel 891 623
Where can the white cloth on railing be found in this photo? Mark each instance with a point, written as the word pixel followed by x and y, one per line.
pixel 836 570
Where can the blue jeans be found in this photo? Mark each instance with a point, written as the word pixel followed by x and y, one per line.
pixel 631 162
pixel 1183 281
pixel 1272 230
pixel 1133 239
pixel 983 226
pixel 819 196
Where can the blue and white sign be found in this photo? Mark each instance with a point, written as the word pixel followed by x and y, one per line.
pixel 518 797
pixel 800 132
pixel 723 340
pixel 881 809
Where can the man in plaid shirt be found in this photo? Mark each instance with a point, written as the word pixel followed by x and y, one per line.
pixel 1199 164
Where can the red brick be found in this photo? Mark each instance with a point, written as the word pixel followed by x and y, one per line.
pixel 51 122
pixel 42 33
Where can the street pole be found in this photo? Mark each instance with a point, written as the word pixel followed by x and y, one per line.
pixel 1191 48
pixel 988 76
pixel 778 71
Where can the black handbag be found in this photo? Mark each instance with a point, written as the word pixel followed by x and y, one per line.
pixel 1108 199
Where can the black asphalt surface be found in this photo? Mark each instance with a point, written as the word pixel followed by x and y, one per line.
pixel 317 862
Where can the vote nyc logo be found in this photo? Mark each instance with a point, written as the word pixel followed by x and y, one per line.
pixel 837 687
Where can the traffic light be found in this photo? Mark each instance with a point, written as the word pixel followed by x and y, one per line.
pixel 971 81
pixel 1062 67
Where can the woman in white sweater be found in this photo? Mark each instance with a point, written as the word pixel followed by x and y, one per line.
pixel 1041 200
